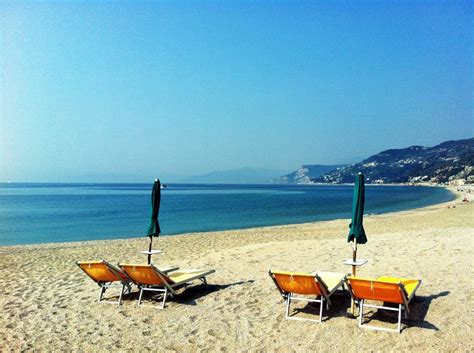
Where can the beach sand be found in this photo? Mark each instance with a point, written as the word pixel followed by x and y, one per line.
pixel 47 303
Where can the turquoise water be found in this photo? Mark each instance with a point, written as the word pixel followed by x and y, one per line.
pixel 43 213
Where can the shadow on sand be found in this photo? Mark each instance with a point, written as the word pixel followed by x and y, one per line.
pixel 340 306
pixel 189 295
pixel 340 302
pixel 416 318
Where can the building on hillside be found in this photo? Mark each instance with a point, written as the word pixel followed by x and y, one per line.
pixel 457 182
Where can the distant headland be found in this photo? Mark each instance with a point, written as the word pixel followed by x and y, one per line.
pixel 451 162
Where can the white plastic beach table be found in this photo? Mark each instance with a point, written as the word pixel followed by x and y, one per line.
pixel 151 253
pixel 357 263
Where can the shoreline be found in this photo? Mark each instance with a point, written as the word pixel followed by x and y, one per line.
pixel 241 310
pixel 453 190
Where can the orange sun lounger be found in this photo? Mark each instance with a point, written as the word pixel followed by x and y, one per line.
pixel 105 274
pixel 298 286
pixel 150 278
pixel 385 289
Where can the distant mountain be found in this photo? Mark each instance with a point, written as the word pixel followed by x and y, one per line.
pixel 305 173
pixel 439 164
pixel 236 176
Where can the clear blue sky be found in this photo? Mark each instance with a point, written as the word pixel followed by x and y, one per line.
pixel 126 92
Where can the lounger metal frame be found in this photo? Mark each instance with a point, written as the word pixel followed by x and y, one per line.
pixel 399 309
pixel 125 287
pixel 168 291
pixel 362 304
pixel 290 296
pixel 166 288
pixel 164 291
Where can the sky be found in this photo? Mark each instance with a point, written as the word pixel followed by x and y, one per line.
pixel 127 91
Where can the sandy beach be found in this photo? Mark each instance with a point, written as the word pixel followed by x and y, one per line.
pixel 47 303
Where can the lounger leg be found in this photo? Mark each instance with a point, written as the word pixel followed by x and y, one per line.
pixel 102 291
pixel 343 287
pixel 121 293
pixel 399 317
pixel 361 311
pixel 165 295
pixel 321 306
pixel 140 296
pixel 204 280
pixel 288 300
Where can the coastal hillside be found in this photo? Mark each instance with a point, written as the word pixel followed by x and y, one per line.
pixel 439 164
pixel 305 173
pixel 235 176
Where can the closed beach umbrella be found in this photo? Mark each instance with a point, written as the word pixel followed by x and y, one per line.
pixel 356 231
pixel 154 228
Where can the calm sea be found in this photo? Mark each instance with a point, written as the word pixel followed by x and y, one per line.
pixel 43 213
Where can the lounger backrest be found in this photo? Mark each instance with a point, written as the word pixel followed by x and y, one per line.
pixel 146 274
pixel 376 290
pixel 298 283
pixel 100 271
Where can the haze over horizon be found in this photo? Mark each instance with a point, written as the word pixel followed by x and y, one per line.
pixel 130 91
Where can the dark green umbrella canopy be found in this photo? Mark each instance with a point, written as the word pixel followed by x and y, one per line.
pixel 154 228
pixel 357 232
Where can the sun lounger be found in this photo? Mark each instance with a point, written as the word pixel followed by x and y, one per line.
pixel 298 286
pixel 385 289
pixel 150 278
pixel 105 274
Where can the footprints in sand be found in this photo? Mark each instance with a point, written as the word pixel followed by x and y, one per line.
pixel 52 305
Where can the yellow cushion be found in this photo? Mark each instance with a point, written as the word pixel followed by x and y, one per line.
pixel 332 279
pixel 409 284
pixel 185 275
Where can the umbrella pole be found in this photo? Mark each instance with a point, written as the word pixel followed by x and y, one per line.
pixel 354 257
pixel 149 250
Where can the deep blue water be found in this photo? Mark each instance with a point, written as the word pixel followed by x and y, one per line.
pixel 43 213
